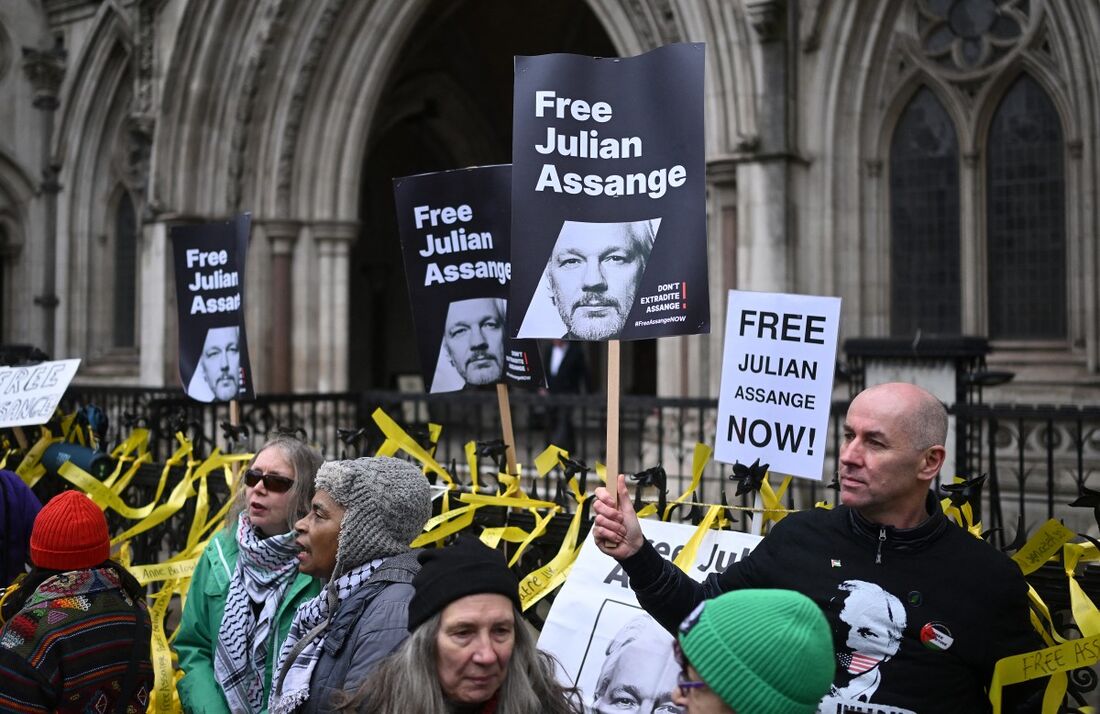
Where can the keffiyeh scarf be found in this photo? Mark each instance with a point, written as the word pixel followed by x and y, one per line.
pixel 265 568
pixel 305 642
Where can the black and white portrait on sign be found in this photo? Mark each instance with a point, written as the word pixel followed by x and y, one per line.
pixel 219 374
pixel 472 348
pixel 455 228
pixel 591 279
pixel 598 175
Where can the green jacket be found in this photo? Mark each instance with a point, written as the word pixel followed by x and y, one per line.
pixel 202 617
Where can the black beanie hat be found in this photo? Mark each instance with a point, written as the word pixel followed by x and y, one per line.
pixel 467 567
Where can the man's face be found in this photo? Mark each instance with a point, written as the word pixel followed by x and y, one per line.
pixel 876 621
pixel 878 461
pixel 641 679
pixel 594 273
pixel 474 338
pixel 221 362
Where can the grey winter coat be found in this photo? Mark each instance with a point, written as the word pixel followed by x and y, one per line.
pixel 366 627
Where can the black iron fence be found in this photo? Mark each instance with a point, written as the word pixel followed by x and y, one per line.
pixel 1036 458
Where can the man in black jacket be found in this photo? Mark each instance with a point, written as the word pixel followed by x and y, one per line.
pixel 920 609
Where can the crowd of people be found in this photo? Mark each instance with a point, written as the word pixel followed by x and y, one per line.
pixel 311 600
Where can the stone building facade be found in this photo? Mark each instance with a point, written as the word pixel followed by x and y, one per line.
pixel 933 162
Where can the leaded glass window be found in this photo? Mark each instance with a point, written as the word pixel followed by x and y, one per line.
pixel 1026 217
pixel 924 220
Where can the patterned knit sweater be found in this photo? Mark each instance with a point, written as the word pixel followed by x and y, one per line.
pixel 70 648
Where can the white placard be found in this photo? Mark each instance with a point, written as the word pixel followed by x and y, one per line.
pixel 29 395
pixel 604 641
pixel 777 381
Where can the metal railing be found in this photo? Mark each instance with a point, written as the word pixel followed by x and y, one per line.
pixel 1036 458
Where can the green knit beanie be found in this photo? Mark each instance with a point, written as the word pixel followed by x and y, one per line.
pixel 761 651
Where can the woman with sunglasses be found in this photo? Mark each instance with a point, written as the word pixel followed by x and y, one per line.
pixel 754 652
pixel 246 587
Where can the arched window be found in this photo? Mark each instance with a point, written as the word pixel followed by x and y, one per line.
pixel 125 277
pixel 924 220
pixel 1025 213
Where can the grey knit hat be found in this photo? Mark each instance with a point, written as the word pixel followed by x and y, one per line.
pixel 386 502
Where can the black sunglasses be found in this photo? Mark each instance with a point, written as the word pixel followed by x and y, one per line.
pixel 272 482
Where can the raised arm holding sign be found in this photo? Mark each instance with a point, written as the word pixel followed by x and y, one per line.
pixel 905 590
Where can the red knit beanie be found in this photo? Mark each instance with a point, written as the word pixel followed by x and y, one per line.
pixel 70 533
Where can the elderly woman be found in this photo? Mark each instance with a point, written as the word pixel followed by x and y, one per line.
pixel 756 651
pixel 355 538
pixel 470 650
pixel 76 630
pixel 246 587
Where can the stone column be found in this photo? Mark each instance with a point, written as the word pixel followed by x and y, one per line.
pixel 764 250
pixel 333 240
pixel 158 338
pixel 45 69
pixel 282 237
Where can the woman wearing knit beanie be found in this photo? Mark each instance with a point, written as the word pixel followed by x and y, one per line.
pixel 76 630
pixel 470 650
pixel 355 538
pixel 246 587
pixel 755 652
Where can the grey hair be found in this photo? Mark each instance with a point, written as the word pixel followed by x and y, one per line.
pixel 304 460
pixel 642 235
pixel 408 681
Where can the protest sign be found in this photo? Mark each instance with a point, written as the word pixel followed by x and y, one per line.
pixel 606 644
pixel 608 213
pixel 454 228
pixel 209 269
pixel 777 380
pixel 29 394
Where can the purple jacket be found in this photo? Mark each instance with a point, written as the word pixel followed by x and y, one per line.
pixel 18 507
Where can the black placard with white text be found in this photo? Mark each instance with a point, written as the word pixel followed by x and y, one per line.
pixel 608 196
pixel 454 228
pixel 209 269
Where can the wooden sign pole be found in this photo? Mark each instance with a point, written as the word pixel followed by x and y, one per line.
pixel 612 468
pixel 506 429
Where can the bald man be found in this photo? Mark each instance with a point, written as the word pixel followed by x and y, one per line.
pixel 963 604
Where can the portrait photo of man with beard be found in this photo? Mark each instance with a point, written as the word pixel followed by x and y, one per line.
pixel 473 343
pixel 592 279
pixel 218 376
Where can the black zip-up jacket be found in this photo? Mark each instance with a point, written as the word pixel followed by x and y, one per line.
pixel 919 616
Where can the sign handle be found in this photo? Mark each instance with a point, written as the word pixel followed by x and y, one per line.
pixel 506 428
pixel 20 437
pixel 612 469
pixel 757 515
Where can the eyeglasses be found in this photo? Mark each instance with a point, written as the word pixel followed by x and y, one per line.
pixel 272 482
pixel 682 681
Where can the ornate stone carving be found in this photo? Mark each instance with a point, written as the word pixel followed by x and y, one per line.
pixel 146 31
pixel 136 145
pixel 766 17
pixel 45 69
pixel 272 23
pixel 5 51
pixel 964 40
pixel 302 84
pixel 655 22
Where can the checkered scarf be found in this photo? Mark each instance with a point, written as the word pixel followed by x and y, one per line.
pixel 305 642
pixel 265 568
